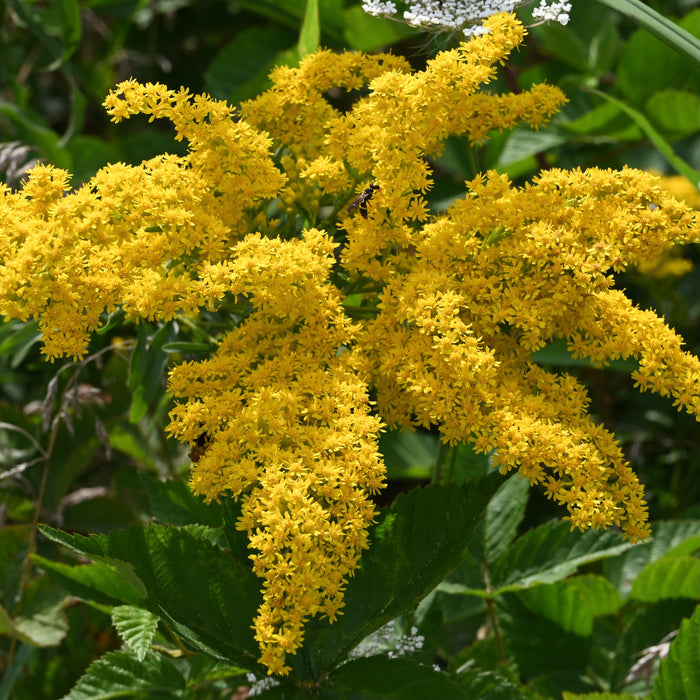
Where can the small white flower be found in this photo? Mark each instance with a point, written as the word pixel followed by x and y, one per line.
pixel 467 15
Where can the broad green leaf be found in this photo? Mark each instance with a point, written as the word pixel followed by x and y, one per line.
pixel 666 537
pixel 310 34
pixel 136 627
pixel 26 129
pixel 96 582
pixel 669 577
pixel 416 544
pixel 363 32
pixel 118 675
pixel 679 673
pixel 8 628
pixel 553 655
pixel 18 338
pixel 664 29
pixel 379 677
pixel 524 142
pixel 677 111
pixel 408 455
pixel 551 552
pixel 239 71
pixel 562 604
pixel 600 596
pixel 574 603
pixel 678 164
pixel 203 592
pixel 600 120
pixel 647 66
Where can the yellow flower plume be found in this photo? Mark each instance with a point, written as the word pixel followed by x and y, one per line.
pixel 436 316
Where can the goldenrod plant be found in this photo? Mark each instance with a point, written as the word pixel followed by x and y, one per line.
pixel 342 322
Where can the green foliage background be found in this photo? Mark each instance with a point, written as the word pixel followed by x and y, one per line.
pixel 567 613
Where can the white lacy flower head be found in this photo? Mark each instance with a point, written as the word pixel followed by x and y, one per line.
pixel 467 15
pixel 389 640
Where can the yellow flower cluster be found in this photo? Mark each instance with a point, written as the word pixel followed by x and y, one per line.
pixel 438 316
pixel 133 237
pixel 287 426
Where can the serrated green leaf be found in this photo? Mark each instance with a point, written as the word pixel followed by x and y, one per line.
pixel 118 675
pixel 93 582
pixel 379 677
pixel 486 685
pixel 413 548
pixel 666 537
pixel 172 565
pixel 669 577
pixel 499 526
pixel 645 626
pixel 136 627
pixel 551 552
pixel 679 673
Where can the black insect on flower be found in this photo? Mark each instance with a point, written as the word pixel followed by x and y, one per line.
pixel 362 200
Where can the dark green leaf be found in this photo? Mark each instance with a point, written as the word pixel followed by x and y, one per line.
pixel 147 369
pixel 118 675
pixel 240 70
pixel 503 515
pixel 173 502
pixel 485 685
pixel 415 545
pixel 96 582
pixel 379 677
pixel 203 592
pixel 679 673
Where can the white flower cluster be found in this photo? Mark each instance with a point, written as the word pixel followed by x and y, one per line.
pixel 466 15
pixel 259 686
pixel 552 12
pixel 388 640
